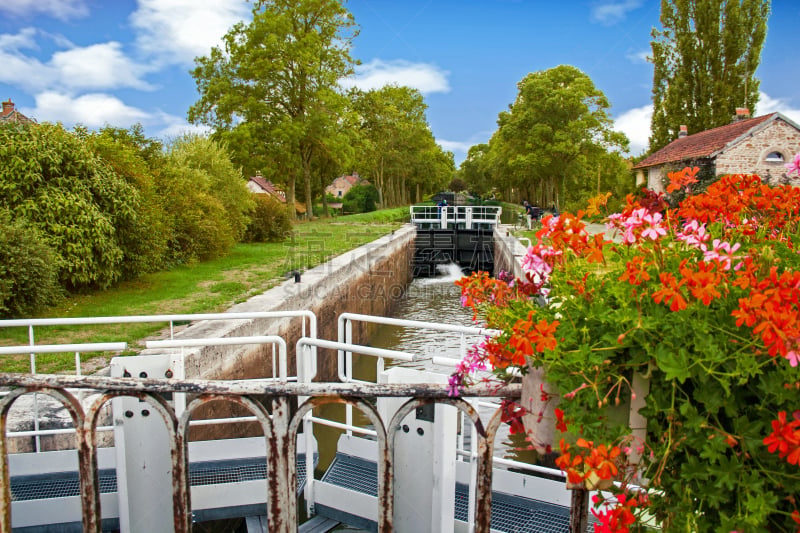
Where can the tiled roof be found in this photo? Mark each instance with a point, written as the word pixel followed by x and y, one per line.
pixel 268 187
pixel 703 144
pixel 9 114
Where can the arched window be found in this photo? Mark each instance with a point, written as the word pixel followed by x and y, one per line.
pixel 774 157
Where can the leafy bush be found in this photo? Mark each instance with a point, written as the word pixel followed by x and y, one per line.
pixel 360 199
pixel 84 210
pixel 269 222
pixel 28 270
pixel 209 168
pixel 206 199
pixel 144 243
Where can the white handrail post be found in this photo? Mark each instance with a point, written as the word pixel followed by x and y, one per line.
pixel 36 441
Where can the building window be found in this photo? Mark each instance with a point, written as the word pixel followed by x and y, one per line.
pixel 774 157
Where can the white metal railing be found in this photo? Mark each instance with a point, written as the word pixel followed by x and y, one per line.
pixel 459 217
pixel 33 349
pixel 306 370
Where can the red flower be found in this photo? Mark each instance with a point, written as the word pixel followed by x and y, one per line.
pixel 785 439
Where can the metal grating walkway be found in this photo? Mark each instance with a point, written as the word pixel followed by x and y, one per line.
pixel 510 514
pixel 64 484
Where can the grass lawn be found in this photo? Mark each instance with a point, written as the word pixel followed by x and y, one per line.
pixel 206 287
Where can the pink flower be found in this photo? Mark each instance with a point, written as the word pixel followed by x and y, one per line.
pixel 655 228
pixel 536 262
pixel 794 166
pixel 722 252
pixel 694 234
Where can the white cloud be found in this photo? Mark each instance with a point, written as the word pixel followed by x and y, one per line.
pixel 635 123
pixel 175 127
pixel 767 104
pixel 609 13
pixel 26 38
pixel 424 77
pixel 60 9
pixel 19 69
pixel 177 31
pixel 460 147
pixel 638 56
pixel 99 66
pixel 92 110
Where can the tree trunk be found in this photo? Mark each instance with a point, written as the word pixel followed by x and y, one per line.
pixel 290 196
pixel 325 204
pixel 306 157
pixel 379 183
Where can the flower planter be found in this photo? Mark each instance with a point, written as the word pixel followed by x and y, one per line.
pixel 540 400
pixel 593 482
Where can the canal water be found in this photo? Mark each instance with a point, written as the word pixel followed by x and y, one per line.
pixel 434 299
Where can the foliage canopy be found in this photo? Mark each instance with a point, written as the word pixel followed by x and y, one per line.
pixel 705 59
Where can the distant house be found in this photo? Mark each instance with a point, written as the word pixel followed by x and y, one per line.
pixel 9 115
pixel 760 145
pixel 343 184
pixel 260 185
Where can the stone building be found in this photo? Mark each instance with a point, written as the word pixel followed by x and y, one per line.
pixel 343 184
pixel 10 115
pixel 760 145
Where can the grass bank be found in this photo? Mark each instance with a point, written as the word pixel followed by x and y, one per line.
pixel 204 287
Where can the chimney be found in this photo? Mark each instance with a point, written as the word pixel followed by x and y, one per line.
pixel 683 132
pixel 8 107
pixel 742 113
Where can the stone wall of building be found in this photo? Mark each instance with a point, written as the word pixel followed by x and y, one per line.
pixel 750 155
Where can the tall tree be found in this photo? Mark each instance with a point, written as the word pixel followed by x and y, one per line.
pixel 554 135
pixel 397 150
pixel 273 84
pixel 705 58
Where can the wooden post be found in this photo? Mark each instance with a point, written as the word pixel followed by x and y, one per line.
pixel 579 511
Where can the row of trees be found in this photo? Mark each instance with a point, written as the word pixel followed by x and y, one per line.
pixel 272 92
pixel 554 146
pixel 81 210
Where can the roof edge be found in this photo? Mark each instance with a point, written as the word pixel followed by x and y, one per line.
pixel 775 115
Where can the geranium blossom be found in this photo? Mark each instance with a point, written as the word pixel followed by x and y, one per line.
pixel 698 298
pixel 794 166
pixel 694 234
pixel 654 229
pixel 723 252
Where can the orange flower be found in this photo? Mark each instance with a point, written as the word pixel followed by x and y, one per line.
pixel 635 271
pixel 703 283
pixel 681 179
pixel 670 292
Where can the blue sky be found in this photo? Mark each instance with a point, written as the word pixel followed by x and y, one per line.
pixel 120 62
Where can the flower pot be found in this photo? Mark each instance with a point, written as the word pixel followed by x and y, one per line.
pixel 593 482
pixel 540 418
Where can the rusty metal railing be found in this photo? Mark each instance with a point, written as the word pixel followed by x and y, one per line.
pixel 279 422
